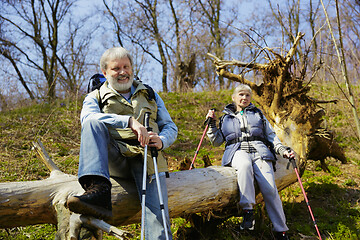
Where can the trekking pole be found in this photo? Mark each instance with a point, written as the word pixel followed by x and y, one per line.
pixel 154 154
pixel 143 192
pixel 293 162
pixel 207 122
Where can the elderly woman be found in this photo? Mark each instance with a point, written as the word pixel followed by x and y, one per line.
pixel 251 144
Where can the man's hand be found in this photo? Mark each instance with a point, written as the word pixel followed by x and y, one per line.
pixel 140 131
pixel 155 141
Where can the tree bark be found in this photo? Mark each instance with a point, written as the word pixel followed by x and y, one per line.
pixel 192 191
pixel 202 190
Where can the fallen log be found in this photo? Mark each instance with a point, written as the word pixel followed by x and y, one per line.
pixel 192 191
pixel 33 202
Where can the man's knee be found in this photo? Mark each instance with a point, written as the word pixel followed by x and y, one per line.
pixel 93 124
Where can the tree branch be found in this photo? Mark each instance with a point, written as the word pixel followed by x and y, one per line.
pixel 224 63
pixel 40 150
pixel 292 50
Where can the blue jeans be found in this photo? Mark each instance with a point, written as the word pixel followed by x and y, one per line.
pixel 100 155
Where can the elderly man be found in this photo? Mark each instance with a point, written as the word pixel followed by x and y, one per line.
pixel 113 140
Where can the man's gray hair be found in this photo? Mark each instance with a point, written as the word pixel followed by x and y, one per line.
pixel 112 54
pixel 242 87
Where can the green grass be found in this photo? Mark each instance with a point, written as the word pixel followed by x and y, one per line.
pixel 333 196
pixel 335 207
pixel 37 232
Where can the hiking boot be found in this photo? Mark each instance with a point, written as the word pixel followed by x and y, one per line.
pixel 248 222
pixel 281 236
pixel 96 201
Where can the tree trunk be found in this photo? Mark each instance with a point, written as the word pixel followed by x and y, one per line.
pixel 295 116
pixel 192 191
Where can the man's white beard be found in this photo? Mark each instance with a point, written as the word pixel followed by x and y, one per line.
pixel 121 86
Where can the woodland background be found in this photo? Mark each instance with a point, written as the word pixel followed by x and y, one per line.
pixel 49 50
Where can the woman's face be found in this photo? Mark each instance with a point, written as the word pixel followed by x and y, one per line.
pixel 241 99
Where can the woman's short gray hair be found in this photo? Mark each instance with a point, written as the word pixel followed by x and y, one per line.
pixel 114 53
pixel 242 87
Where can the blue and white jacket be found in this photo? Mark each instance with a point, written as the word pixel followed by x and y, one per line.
pixel 248 129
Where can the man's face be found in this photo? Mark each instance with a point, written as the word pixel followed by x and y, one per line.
pixel 241 99
pixel 119 74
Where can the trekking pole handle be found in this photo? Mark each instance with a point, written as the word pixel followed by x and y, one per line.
pixel 154 152
pixel 207 121
pixel 291 160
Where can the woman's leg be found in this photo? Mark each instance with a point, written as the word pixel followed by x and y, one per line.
pixel 242 162
pixel 264 175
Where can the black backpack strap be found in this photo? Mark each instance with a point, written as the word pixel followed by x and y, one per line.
pixel 267 143
pixel 151 92
pixel 221 119
pixel 99 99
pixel 246 139
pixel 88 88
pixel 95 82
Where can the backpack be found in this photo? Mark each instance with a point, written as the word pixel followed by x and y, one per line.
pixel 97 80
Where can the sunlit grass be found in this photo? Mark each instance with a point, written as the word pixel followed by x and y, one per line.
pixel 331 195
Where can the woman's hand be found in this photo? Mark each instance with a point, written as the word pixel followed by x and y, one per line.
pixel 211 114
pixel 289 154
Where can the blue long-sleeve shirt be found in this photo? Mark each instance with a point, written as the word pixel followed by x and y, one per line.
pixel 168 130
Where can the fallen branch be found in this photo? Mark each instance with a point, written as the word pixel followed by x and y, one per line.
pixel 44 156
pixel 77 220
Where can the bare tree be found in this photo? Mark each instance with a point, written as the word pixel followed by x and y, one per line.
pixel 178 36
pixel 289 19
pixel 73 57
pixel 32 43
pixel 150 15
pixel 117 24
pixel 6 52
pixel 140 26
pixel 342 62
pixel 199 27
pixel 182 50
pixel 216 26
